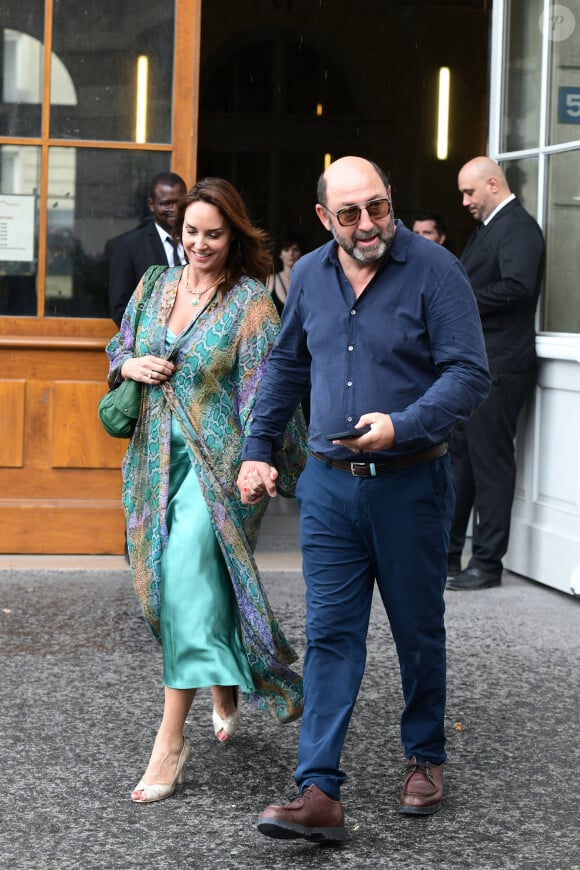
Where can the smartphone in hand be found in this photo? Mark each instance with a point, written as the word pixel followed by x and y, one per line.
pixel 348 433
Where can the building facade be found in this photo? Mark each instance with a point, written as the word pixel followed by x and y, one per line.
pixel 534 132
pixel 97 98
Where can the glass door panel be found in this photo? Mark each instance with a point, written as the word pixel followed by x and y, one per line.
pixel 93 195
pixel 561 311
pixel 19 182
pixel 21 67
pixel 520 122
pixel 565 81
pixel 97 49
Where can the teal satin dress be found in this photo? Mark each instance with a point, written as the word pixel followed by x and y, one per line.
pixel 199 618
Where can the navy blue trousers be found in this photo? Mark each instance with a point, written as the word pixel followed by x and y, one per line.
pixel 392 529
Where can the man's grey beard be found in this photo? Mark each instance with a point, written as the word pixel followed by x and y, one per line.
pixel 368 255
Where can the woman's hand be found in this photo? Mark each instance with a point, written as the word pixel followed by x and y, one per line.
pixel 255 480
pixel 147 369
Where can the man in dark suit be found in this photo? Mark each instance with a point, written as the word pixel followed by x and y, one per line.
pixel 504 260
pixel 150 244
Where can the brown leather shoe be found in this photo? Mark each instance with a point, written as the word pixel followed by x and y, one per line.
pixel 422 788
pixel 311 815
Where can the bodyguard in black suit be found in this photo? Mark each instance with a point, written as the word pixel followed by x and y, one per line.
pixel 504 260
pixel 132 253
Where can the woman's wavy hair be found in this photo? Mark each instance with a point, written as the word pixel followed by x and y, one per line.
pixel 248 254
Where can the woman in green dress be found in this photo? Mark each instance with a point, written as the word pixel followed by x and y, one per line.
pixel 198 338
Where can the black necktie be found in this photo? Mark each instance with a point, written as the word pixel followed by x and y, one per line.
pixel 176 260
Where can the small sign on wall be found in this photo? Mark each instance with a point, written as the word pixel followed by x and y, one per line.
pixel 569 105
pixel 16 228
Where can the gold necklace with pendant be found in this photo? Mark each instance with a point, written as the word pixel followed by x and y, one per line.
pixel 197 294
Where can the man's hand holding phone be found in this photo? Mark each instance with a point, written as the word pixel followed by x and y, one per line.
pixel 373 432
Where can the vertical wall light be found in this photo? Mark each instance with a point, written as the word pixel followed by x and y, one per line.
pixel 327 160
pixel 443 113
pixel 141 116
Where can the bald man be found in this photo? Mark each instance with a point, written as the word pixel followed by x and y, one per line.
pixel 385 327
pixel 504 259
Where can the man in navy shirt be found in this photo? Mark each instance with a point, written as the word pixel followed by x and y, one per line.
pixel 384 326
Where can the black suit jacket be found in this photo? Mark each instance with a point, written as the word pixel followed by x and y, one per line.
pixel 130 256
pixel 505 264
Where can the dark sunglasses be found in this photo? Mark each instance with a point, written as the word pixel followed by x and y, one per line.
pixel 350 214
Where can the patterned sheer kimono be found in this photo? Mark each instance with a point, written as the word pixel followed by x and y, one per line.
pixel 220 358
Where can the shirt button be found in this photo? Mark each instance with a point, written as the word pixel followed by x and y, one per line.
pixel 350 347
pixel 349 419
pixel 353 311
pixel 349 383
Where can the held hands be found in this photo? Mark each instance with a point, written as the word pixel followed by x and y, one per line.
pixel 255 480
pixel 147 369
pixel 258 478
pixel 380 437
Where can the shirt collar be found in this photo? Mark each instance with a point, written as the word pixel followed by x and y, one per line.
pixel 498 208
pixel 162 233
pixel 167 243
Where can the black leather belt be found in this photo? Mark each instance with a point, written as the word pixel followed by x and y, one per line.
pixel 375 469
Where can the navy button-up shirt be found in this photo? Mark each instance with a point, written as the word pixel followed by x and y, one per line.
pixel 410 346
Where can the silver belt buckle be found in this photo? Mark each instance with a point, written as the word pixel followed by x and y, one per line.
pixel 358 469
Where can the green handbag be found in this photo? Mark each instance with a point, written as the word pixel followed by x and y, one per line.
pixel 119 409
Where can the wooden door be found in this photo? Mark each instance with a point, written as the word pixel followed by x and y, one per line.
pixel 60 482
